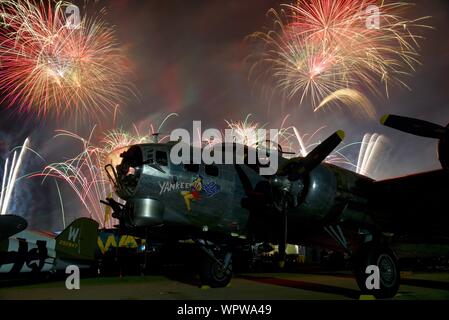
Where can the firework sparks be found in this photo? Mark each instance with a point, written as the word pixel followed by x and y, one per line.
pixel 84 174
pixel 370 149
pixel 320 46
pixel 117 141
pixel 10 174
pixel 295 144
pixel 245 131
pixel 350 97
pixel 47 66
pixel 305 143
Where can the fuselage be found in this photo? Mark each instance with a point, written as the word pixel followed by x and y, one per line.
pixel 26 252
pixel 209 198
pixel 193 200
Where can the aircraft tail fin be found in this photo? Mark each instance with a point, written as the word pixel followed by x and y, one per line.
pixel 78 241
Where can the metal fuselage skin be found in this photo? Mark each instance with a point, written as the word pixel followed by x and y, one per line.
pixel 176 201
pixel 27 252
pixel 33 251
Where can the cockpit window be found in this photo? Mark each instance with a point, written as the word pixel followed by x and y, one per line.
pixel 133 157
pixel 192 167
pixel 150 157
pixel 161 158
pixel 128 172
pixel 211 170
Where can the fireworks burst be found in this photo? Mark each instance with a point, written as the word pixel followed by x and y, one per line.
pixel 117 141
pixel 48 65
pixel 288 139
pixel 295 144
pixel 307 142
pixel 10 174
pixel 84 174
pixel 320 46
pixel 370 150
pixel 245 131
pixel 350 97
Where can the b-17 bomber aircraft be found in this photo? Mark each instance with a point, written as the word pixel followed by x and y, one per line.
pixel 307 201
pixel 24 251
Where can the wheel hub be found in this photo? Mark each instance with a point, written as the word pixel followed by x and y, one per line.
pixel 387 269
pixel 219 271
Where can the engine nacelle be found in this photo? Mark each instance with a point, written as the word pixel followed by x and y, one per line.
pixel 327 190
pixel 319 194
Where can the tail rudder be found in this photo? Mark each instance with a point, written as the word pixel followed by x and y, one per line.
pixel 78 241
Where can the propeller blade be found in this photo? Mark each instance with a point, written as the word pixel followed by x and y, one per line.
pixel 415 126
pixel 296 167
pixel 323 150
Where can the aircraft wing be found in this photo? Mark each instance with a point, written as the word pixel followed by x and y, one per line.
pixel 10 225
pixel 416 203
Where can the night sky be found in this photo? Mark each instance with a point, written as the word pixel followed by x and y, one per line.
pixel 189 57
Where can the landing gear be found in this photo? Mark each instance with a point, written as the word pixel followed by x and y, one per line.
pixel 388 271
pixel 214 274
pixel 215 268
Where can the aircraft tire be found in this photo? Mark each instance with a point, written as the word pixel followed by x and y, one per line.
pixel 389 272
pixel 212 274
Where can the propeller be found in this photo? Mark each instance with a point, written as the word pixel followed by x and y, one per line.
pixel 296 169
pixel 422 128
pixel 415 126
